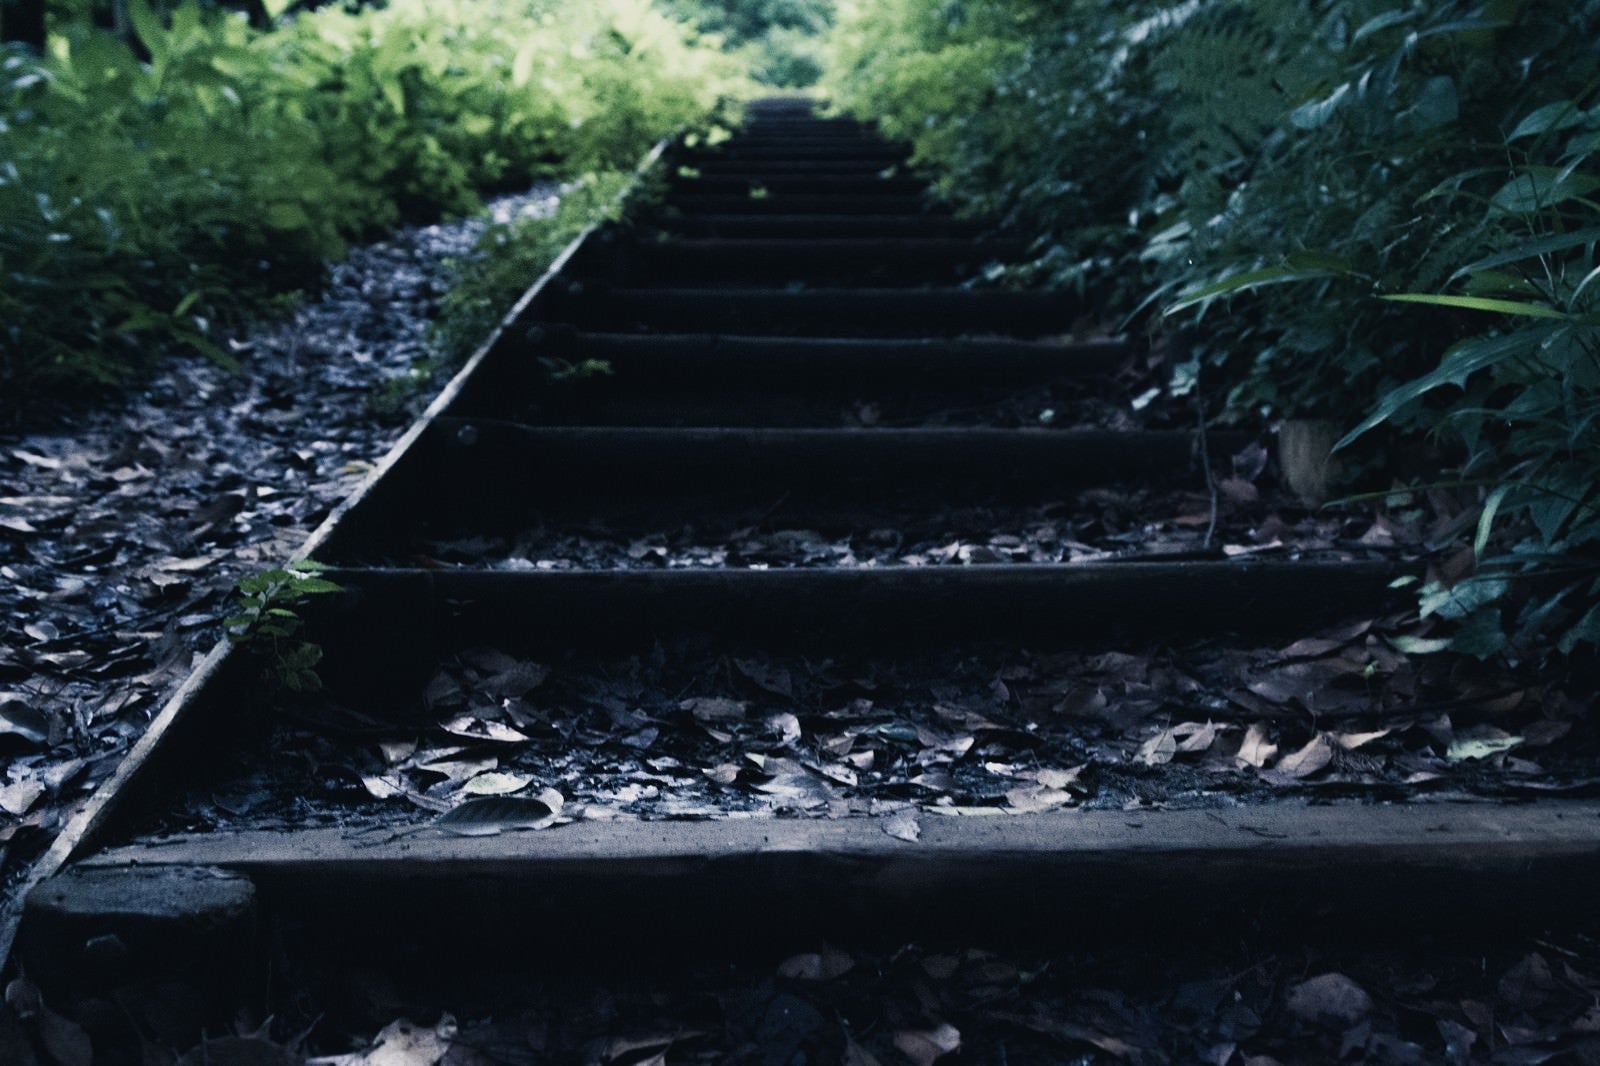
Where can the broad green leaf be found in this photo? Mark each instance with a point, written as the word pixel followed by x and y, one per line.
pixel 1587 630
pixel 1491 507
pixel 147 24
pixel 1481 635
pixel 1561 115
pixel 1479 303
pixel 1528 249
pixel 1437 104
pixel 1382 22
pixel 1460 362
pixel 1460 599
pixel 276 8
pixel 1539 187
pixel 1251 279
pixel 1315 113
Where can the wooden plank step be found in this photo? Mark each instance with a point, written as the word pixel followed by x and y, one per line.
pixel 787 203
pixel 785 149
pixel 711 380
pixel 833 261
pixel 799 363
pixel 939 312
pixel 816 609
pixel 734 183
pixel 899 226
pixel 1033 879
pixel 675 224
pixel 718 165
pixel 468 475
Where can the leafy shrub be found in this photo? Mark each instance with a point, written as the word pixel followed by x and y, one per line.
pixel 1364 207
pixel 143 204
pixel 781 40
pixel 510 255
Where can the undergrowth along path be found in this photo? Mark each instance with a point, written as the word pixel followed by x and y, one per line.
pixel 887 639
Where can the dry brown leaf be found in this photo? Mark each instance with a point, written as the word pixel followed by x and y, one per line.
pixel 1158 750
pixel 1256 750
pixel 1316 755
pixel 1034 798
pixel 1195 737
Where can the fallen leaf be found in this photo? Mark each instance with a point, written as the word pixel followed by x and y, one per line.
pixel 1480 743
pixel 1034 798
pixel 474 728
pixel 1329 998
pixel 19 797
pixel 1052 777
pixel 715 709
pixel 20 719
pixel 774 679
pixel 515 681
pixel 383 787
pixel 400 1043
pixel 1159 749
pixel 786 727
pixel 489 815
pixel 1316 755
pixel 926 1046
pixel 496 784
pixel 822 965
pixel 1256 750
pixel 1198 738
pixel 903 825
pixel 1352 741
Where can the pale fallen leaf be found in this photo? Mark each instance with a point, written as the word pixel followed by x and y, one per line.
pixel 497 784
pixel 490 815
pixel 1195 737
pixel 822 965
pixel 1159 749
pixel 1352 741
pixel 395 751
pixel 1480 743
pixel 1256 750
pixel 400 1043
pixel 903 825
pixel 1034 798
pixel 715 709
pixel 786 727
pixel 1054 777
pixel 1316 755
pixel 19 797
pixel 474 728
pixel 1331 998
pixel 926 1046
pixel 383 786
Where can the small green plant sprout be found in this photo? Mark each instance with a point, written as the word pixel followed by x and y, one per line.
pixel 562 370
pixel 267 622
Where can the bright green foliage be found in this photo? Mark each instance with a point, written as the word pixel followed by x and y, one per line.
pixel 511 255
pixel 267 621
pixel 781 40
pixel 1380 208
pixel 143 204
